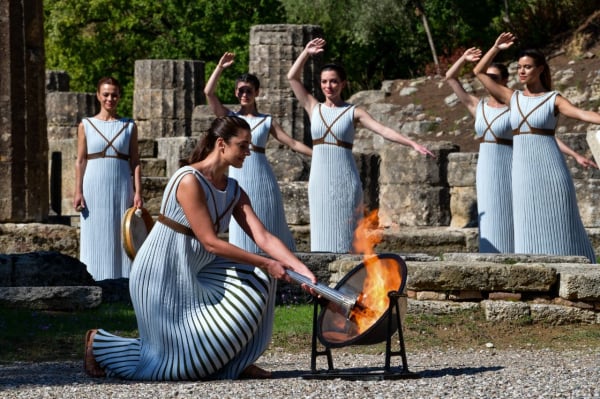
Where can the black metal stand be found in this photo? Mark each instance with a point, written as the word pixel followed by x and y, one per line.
pixel 385 373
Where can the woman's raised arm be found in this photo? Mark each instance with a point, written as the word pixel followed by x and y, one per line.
pixel 470 101
pixel 307 100
pixel 499 91
pixel 211 86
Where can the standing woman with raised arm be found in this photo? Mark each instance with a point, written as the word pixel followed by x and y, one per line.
pixel 546 215
pixel 494 164
pixel 256 176
pixel 108 181
pixel 334 190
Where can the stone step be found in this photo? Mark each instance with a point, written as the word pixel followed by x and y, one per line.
pixel 433 241
pixel 549 289
pixel 572 278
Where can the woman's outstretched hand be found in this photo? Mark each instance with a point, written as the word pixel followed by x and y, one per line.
pixel 504 41
pixel 226 60
pixel 472 54
pixel 315 46
pixel 421 149
pixel 585 162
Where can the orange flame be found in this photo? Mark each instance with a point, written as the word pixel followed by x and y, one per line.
pixel 382 275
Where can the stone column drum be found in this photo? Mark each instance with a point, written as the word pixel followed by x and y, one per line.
pixel 23 137
pixel 165 94
pixel 273 49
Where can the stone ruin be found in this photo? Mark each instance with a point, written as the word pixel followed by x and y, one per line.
pixel 38 151
pixel 169 108
pixel 171 113
pixel 23 141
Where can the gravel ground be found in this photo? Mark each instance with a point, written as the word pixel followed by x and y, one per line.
pixel 487 373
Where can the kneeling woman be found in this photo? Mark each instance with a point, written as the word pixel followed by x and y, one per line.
pixel 204 307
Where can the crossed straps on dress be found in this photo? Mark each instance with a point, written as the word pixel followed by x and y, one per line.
pixel 183 229
pixel 109 144
pixel 533 130
pixel 497 140
pixel 253 147
pixel 338 142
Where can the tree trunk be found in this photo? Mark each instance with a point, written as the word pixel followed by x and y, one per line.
pixel 421 12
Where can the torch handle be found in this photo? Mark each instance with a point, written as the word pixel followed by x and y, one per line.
pixel 326 292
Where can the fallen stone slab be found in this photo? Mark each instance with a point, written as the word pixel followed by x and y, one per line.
pixel 579 282
pixel 557 315
pixel 439 307
pixel 505 310
pixel 481 276
pixel 513 258
pixel 537 313
pixel 63 298
pixel 43 268
pixel 28 237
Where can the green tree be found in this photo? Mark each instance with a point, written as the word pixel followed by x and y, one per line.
pixel 94 38
pixel 386 39
pixel 374 39
pixel 537 22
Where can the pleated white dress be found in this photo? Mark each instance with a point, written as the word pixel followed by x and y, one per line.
pixel 108 193
pixel 334 188
pixel 257 179
pixel 546 214
pixel 493 179
pixel 199 315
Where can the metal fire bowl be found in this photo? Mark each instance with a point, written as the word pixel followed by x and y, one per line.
pixel 334 330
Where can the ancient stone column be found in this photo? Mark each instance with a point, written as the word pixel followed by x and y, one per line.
pixel 23 137
pixel 165 94
pixel 273 49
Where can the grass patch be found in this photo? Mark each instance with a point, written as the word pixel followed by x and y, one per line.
pixel 44 336
pixel 292 327
pixel 28 335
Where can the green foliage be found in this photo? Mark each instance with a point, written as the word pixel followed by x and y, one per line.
pixel 374 39
pixel 535 22
pixel 386 39
pixel 94 38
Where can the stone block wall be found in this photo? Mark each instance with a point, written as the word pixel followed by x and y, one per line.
pixel 165 94
pixel 517 288
pixel 409 190
pixel 273 49
pixel 64 111
pixel 413 188
pixel 462 168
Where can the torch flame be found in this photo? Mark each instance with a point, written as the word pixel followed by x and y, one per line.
pixel 382 275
